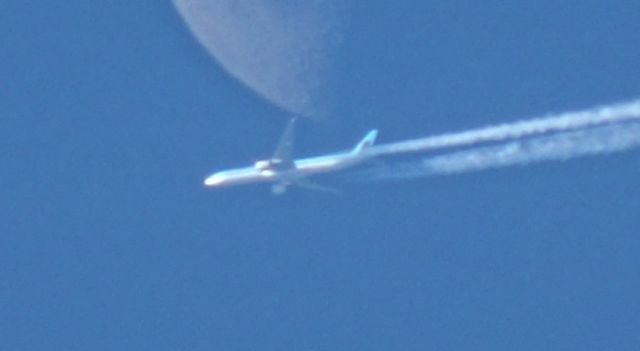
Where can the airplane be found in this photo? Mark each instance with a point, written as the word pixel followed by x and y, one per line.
pixel 283 171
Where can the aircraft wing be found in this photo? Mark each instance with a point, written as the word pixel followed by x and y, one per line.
pixel 306 184
pixel 284 151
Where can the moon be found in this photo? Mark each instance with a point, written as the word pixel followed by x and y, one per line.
pixel 280 49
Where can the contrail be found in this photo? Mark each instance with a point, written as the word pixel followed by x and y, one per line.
pixel 616 113
pixel 601 130
pixel 558 146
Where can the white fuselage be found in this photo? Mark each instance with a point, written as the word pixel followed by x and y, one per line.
pixel 303 168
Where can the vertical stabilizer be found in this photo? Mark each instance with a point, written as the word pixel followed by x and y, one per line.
pixel 366 142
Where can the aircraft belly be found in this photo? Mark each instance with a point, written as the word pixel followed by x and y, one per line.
pixel 325 163
pixel 241 176
pixel 320 167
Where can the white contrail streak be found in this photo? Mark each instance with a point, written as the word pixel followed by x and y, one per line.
pixel 558 146
pixel 565 136
pixel 616 113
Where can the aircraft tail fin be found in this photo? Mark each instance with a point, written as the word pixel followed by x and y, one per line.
pixel 366 142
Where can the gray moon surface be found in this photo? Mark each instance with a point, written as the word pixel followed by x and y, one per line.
pixel 281 49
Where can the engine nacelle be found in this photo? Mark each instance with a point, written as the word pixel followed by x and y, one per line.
pixel 262 165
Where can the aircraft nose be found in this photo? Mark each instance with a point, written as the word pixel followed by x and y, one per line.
pixel 213 180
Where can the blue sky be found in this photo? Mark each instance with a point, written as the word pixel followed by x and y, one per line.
pixel 111 115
